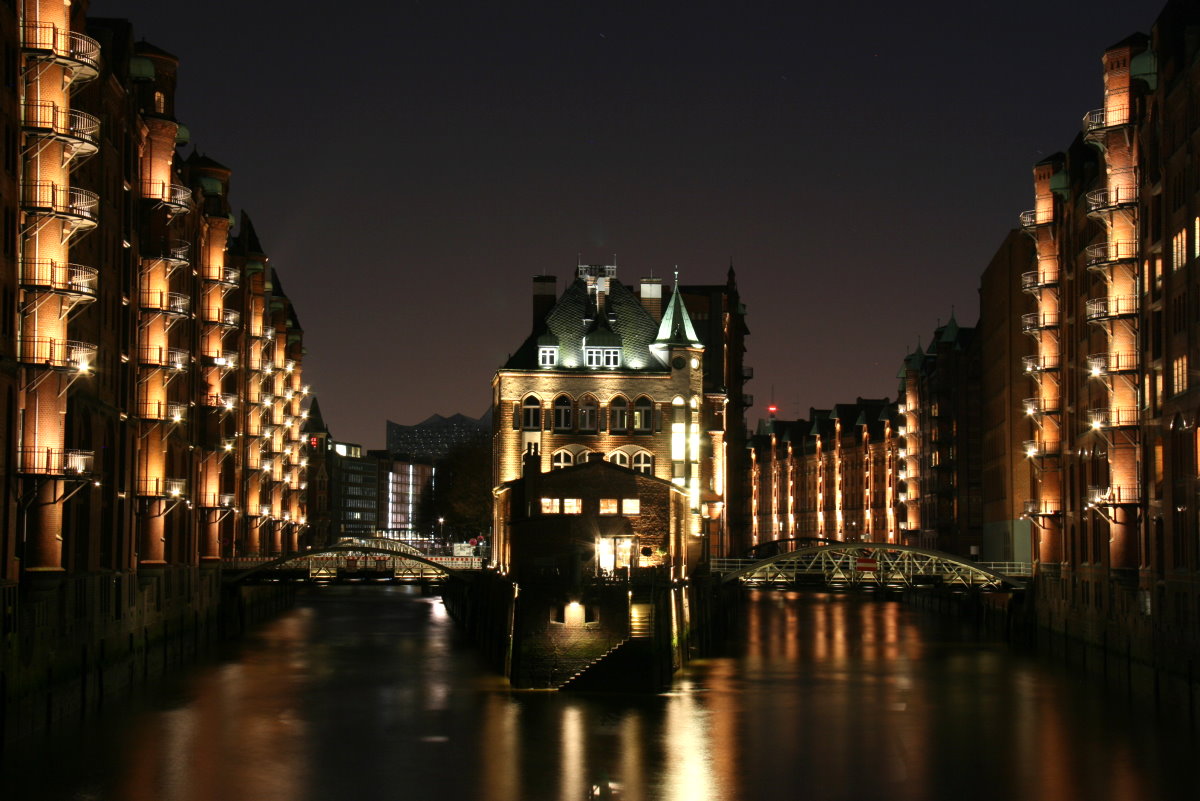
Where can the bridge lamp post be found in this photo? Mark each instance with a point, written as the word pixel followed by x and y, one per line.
pixel 442 531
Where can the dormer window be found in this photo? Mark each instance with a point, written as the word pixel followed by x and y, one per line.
pixel 547 357
pixel 603 357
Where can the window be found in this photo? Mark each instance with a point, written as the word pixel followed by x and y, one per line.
pixel 643 462
pixel 603 357
pixel 1179 249
pixel 619 458
pixel 631 506
pixel 588 414
pixel 562 413
pixel 1179 375
pixel 531 414
pixel 160 103
pixel 549 506
pixel 572 506
pixel 619 415
pixel 562 459
pixel 643 416
pixel 547 357
pixel 609 506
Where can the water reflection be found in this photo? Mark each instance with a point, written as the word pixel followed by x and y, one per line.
pixel 369 693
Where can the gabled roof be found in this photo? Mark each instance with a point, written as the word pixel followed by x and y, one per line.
pixel 573 322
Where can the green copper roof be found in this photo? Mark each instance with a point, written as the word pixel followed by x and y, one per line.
pixel 676 326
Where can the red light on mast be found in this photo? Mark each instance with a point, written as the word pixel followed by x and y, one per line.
pixel 772 408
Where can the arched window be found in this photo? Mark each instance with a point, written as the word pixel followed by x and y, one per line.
pixel 562 413
pixel 619 458
pixel 643 415
pixel 531 414
pixel 588 414
pixel 618 415
pixel 643 462
pixel 561 459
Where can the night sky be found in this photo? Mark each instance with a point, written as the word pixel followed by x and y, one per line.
pixel 410 165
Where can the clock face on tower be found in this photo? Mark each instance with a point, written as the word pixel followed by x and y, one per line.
pixel 678 362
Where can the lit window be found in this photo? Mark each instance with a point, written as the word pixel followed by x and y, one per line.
pixel 562 413
pixel 531 414
pixel 547 357
pixel 619 458
pixel 562 459
pixel 572 506
pixel 643 462
pixel 609 506
pixel 588 414
pixel 595 357
pixel 549 506
pixel 631 506
pixel 1179 249
pixel 612 357
pixel 619 415
pixel 643 415
pixel 1179 375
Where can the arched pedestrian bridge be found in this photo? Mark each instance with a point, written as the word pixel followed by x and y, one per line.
pixel 870 564
pixel 355 558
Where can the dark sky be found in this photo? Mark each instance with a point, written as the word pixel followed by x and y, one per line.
pixel 410 165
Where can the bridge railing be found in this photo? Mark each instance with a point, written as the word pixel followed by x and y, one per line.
pixel 330 565
pixel 1016 569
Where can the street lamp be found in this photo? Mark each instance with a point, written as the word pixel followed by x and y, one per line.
pixel 442 531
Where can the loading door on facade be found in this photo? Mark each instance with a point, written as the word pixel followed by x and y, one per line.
pixel 614 552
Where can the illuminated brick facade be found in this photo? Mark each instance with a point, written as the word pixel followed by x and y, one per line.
pixel 152 406
pixel 835 475
pixel 621 374
pixel 1115 311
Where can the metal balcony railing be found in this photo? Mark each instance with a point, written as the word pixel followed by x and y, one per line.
pixel 78 128
pixel 78 52
pixel 223 401
pixel 169 411
pixel 1035 217
pixel 1104 254
pixel 77 206
pixel 1040 449
pixel 1114 495
pixel 225 360
pixel 1115 417
pixel 1039 279
pixel 217 500
pixel 173 358
pixel 1101 201
pixel 1043 507
pixel 1102 119
pixel 54 461
pixel 1111 308
pixel 52 276
pixel 1036 406
pixel 747 373
pixel 62 354
pixel 162 487
pixel 1038 321
pixel 1039 363
pixel 1108 363
pixel 175 303
pixel 177 198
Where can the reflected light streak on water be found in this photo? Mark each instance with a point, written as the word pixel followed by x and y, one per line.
pixel 369 693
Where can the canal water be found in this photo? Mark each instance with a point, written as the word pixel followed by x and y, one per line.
pixel 370 693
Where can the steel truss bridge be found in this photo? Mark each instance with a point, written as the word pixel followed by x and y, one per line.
pixel 870 565
pixel 361 558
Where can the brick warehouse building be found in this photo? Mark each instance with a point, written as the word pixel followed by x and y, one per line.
pixel 612 372
pixel 150 361
pixel 1115 316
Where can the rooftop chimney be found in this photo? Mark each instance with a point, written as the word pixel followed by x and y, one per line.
pixel 651 295
pixel 545 292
